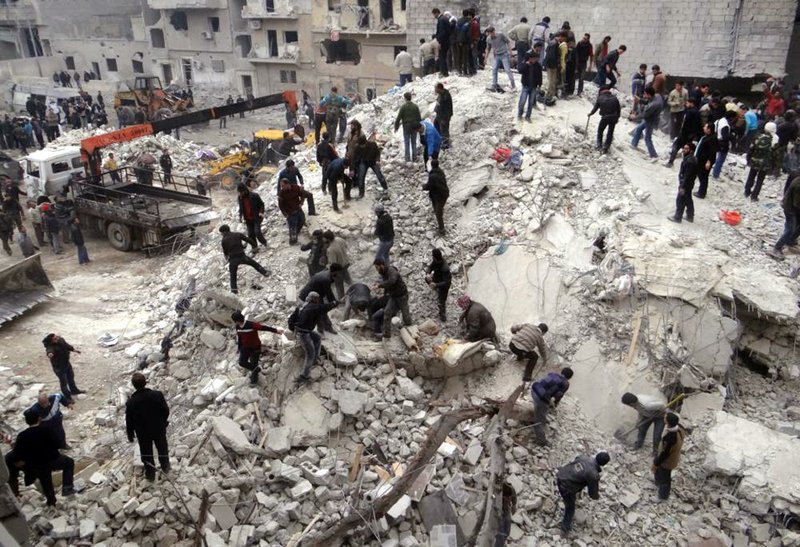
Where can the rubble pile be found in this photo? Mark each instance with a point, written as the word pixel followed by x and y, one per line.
pixel 571 238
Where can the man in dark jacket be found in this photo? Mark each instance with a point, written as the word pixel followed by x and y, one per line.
pixel 290 203
pixel 316 257
pixel 761 160
pixel 686 178
pixel 58 351
pixel 36 453
pixel 369 155
pixel 294 176
pixel 669 453
pixel 438 277
pixel 478 321
pixel 233 249
pixel 705 153
pixel 251 212
pixel 443 37
pixel 690 129
pixel 582 472
pixel 248 343
pixel 791 211
pixel 409 117
pixel 583 59
pixel 48 407
pixel 146 415
pixel 322 283
pixel 357 299
pixel 608 105
pixel 608 70
pixel 6 230
pixel 527 342
pixel 395 288
pixel 302 321
pixel 648 121
pixel 165 161
pixel 438 191
pixel 531 74
pixel 444 111
pixel 76 235
pixel 384 231
pixel 337 172
pixel 548 392
pixel 326 153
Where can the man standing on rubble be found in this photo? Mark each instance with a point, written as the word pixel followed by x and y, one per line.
pixel 369 158
pixel 444 111
pixel 442 36
pixel 705 153
pixel 520 34
pixel 290 203
pixel 384 231
pixel 337 254
pixel 302 321
pixel 531 81
pixel 650 411
pixel 233 249
pixel 791 211
pixel 335 105
pixel 146 415
pixel 248 343
pixel 689 131
pixel 499 43
pixel 326 153
pixel 431 141
pixel 609 107
pixel 547 393
pixel 291 173
pixel 438 191
pixel 526 339
pixel 337 172
pixel 686 178
pixel 648 121
pixel 322 283
pixel 316 258
pixel 251 212
pixel 48 408
pixel 669 453
pixel 582 472
pixel 409 117
pixel 58 351
pixel 395 288
pixel 438 278
pixel 478 321
pixel 166 165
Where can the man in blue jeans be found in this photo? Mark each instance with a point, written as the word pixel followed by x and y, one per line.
pixel 384 231
pixel 500 44
pixel 791 210
pixel 531 74
pixel 303 321
pixel 722 128
pixel 648 121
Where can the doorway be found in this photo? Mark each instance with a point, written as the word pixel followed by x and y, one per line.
pixel 247 84
pixel 188 76
pixel 96 69
pixel 166 70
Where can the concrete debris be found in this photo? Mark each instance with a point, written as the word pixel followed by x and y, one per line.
pixel 351 403
pixel 230 434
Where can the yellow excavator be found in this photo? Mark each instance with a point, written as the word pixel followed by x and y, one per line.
pixel 147 94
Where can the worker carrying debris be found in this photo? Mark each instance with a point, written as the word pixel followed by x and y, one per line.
pixel 249 343
pixel 322 283
pixel 395 288
pixel 650 409
pixel 669 452
pixel 526 339
pixel 478 321
pixel 146 418
pixel 548 392
pixel 302 321
pixel 233 249
pixel 582 472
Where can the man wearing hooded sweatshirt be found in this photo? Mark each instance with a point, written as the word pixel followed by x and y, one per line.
pixel 571 479
pixel 248 343
pixel 431 141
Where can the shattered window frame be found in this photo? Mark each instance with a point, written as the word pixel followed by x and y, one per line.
pixel 111 64
pixel 218 65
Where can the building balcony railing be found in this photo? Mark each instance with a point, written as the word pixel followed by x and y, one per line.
pixel 288 54
pixel 266 9
pixel 17 12
pixel 186 4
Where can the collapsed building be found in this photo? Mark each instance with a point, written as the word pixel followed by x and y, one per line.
pixel 406 442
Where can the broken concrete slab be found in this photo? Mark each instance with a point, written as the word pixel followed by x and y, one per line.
pixel 230 434
pixel 436 509
pixel 351 403
pixel 399 509
pixel 409 389
pixel 212 339
pixel 758 289
pixel 557 235
pixel 708 336
pixel 471 183
pixel 279 440
pixel 241 535
pixel 698 406
pixel 224 515
pixel 444 535
pixel 308 419
pixel 340 349
pixel 763 458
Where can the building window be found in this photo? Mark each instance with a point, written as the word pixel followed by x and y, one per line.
pixel 272 43
pixel 290 37
pixel 157 38
pixel 288 77
pixel 334 5
pixel 217 65
pixel 70 62
pixel 344 50
pixel 179 21
pixel 138 67
pixel 270 6
pixel 398 49
pixel 111 65
pixel 213 24
pixel 402 5
pixel 350 86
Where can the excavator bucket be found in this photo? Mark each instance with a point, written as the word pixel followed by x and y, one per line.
pixel 22 286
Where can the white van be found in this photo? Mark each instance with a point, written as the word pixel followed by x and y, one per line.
pixel 47 171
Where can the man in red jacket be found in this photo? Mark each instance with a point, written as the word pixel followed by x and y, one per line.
pixel 249 343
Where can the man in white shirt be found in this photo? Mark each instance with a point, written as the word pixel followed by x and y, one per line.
pixel 405 66
pixel 651 410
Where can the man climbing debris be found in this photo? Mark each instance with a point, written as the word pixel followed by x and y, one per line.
pixel 395 288
pixel 322 283
pixel 582 472
pixel 438 191
pixel 650 410
pixel 316 257
pixel 302 322
pixel 527 342
pixel 233 250
pixel 249 343
pixel 547 393
pixel 251 212
pixel 478 323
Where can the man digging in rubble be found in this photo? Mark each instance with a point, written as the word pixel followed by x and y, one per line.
pixel 316 257
pixel 302 321
pixel 439 278
pixel 669 452
pixel 547 393
pixel 251 212
pixel 249 343
pixel 650 410
pixel 290 203
pixel 233 249
pixel 395 288
pixel 48 407
pixel 337 254
pixel 582 472
pixel 526 339
pixel 478 321
pixel 146 415
pixel 322 284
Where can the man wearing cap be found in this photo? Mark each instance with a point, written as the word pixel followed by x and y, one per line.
pixel 478 321
pixel 548 392
pixel 146 415
pixel 384 231
pixel 233 249
pixel 669 453
pixel 582 472
pixel 251 212
pixel 249 343
pixel 36 454
pixel 302 321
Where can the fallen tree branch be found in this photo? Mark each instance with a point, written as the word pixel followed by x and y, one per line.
pixel 436 436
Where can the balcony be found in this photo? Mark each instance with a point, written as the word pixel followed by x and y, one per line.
pixel 266 9
pixel 18 12
pixel 352 20
pixel 187 4
pixel 287 54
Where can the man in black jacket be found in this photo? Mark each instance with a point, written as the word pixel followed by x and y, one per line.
pixel 321 283
pixel 166 165
pixel 233 249
pixel 251 211
pixel 316 257
pixel 302 321
pixel 58 351
pixel 248 343
pixel 444 111
pixel 384 231
pixel 438 191
pixel 36 453
pixel 531 75
pixel 690 129
pixel 582 472
pixel 146 415
pixel 608 105
pixel 583 57
pixel 438 277
pixel 705 153
pixel 443 37
pixel 395 288
pixel 326 153
pixel 369 157
pixel 686 178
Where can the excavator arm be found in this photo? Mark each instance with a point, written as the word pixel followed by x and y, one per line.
pixel 91 147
